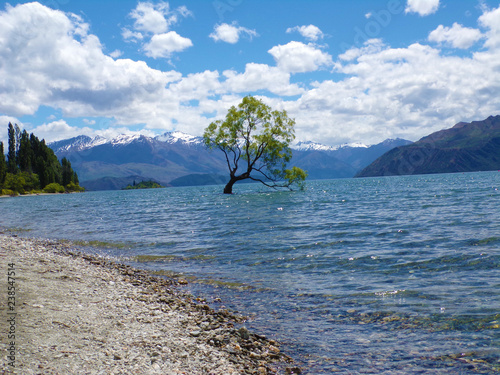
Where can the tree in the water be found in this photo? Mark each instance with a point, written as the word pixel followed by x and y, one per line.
pixel 256 143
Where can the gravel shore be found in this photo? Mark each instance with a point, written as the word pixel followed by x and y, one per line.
pixel 65 312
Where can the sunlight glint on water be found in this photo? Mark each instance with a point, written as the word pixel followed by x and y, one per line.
pixel 358 275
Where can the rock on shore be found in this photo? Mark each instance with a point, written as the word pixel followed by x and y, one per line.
pixel 82 314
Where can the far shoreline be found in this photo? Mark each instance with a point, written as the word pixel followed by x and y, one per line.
pixel 40 194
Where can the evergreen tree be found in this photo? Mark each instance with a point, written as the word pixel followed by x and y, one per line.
pixel 3 165
pixel 67 172
pixel 25 153
pixel 17 130
pixel 31 165
pixel 11 155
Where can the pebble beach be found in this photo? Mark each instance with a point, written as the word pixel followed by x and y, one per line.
pixel 69 312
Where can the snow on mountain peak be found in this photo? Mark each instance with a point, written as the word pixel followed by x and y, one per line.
pixel 124 139
pixel 314 146
pixel 311 146
pixel 80 143
pixel 354 145
pixel 83 142
pixel 176 136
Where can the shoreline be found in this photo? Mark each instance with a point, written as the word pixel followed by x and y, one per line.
pixel 78 313
pixel 39 194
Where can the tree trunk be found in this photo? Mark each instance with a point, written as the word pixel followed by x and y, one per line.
pixel 228 189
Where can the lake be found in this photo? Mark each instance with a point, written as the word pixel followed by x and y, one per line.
pixel 375 276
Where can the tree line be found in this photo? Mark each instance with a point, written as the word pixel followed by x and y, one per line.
pixel 32 167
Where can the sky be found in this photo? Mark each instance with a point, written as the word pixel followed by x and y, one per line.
pixel 347 71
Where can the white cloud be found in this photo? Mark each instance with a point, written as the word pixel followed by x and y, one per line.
pixel 422 7
pixel 154 21
pixel 150 18
pixel 59 69
pixel 49 58
pixel 58 130
pixel 196 86
pixel 230 33
pixel 116 53
pixel 132 35
pixel 491 20
pixel 457 36
pixel 398 92
pixel 156 18
pixel 163 45
pixel 297 57
pixel 310 32
pixel 261 77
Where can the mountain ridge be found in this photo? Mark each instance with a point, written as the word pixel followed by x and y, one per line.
pixel 465 147
pixel 176 158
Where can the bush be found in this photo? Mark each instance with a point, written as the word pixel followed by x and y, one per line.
pixel 74 187
pixel 53 188
pixel 31 181
pixel 14 182
pixel 8 192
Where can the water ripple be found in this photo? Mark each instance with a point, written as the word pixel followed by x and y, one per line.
pixel 379 275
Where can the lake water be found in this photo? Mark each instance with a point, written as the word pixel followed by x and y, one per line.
pixel 361 276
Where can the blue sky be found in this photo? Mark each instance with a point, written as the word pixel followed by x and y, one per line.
pixel 347 71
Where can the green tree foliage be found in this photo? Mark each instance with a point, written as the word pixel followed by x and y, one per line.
pixel 74 187
pixel 255 141
pixel 53 187
pixel 3 165
pixel 14 182
pixel 144 185
pixel 68 175
pixel 25 153
pixel 32 165
pixel 21 182
pixel 11 155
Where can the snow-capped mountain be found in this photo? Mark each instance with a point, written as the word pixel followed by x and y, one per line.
pixel 125 139
pixel 103 163
pixel 175 137
pixel 314 146
pixel 84 142
pixel 80 143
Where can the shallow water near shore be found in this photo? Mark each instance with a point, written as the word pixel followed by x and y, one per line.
pixel 378 275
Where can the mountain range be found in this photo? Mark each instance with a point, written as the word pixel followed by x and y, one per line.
pixel 179 159
pixel 466 147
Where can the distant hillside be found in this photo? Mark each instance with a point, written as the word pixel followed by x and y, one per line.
pixel 467 147
pixel 178 159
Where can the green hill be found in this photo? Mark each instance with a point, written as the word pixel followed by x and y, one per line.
pixel 467 147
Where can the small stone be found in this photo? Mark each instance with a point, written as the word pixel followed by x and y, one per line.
pixel 244 334
pixel 255 355
pixel 195 333
pixel 293 370
pixel 262 371
pixel 273 349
